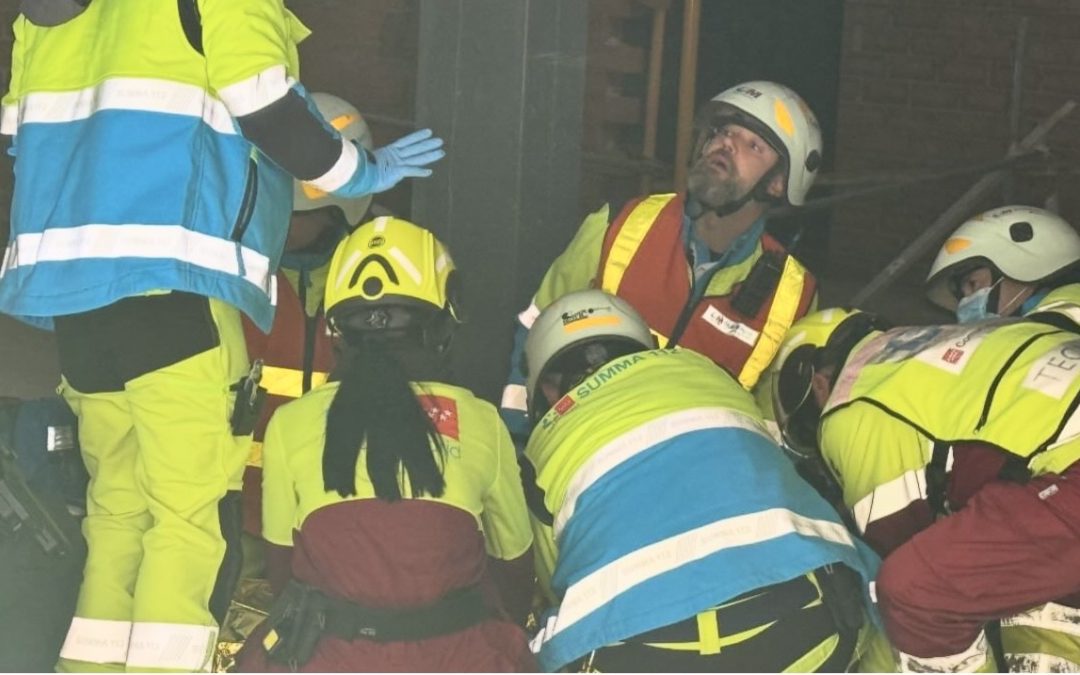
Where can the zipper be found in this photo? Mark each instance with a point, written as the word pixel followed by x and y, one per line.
pixel 247 205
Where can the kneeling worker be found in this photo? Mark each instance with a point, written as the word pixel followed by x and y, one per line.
pixel 671 532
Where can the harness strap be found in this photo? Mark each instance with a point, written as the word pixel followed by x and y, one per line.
pixel 457 610
pixel 748 611
pixel 937 480
pixel 191 22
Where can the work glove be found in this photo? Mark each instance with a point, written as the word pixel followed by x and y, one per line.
pixel 381 170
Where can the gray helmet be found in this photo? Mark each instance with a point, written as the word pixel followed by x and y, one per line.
pixel 341 115
pixel 785 121
pixel 573 320
pixel 1022 242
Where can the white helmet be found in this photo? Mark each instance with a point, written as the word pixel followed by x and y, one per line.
pixel 1022 242
pixel 573 320
pixel 351 125
pixel 785 122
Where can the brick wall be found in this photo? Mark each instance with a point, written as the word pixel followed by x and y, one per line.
pixel 925 85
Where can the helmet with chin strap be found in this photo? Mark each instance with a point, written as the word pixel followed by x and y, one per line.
pixel 1024 243
pixel 577 334
pixel 783 120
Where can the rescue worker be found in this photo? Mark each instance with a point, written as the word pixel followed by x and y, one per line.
pixel 297 353
pixel 956 449
pixel 698 265
pixel 1011 261
pixel 730 563
pixel 391 496
pixel 149 211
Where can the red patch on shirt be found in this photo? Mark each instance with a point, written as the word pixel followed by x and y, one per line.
pixel 564 404
pixel 952 355
pixel 443 413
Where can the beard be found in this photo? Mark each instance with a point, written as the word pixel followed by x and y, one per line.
pixel 711 190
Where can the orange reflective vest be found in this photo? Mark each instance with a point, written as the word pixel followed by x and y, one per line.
pixel 644 261
pixel 298 348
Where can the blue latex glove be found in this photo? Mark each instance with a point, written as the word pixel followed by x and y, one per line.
pixel 387 166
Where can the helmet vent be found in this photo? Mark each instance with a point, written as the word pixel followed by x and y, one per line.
pixel 372 286
pixel 813 161
pixel 1021 232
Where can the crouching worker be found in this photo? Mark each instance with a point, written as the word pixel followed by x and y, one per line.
pixel 391 499
pixel 672 534
pixel 958 452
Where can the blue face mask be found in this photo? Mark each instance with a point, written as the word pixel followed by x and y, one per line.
pixel 975 307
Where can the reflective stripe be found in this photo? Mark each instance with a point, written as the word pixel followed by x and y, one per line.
pixel 528 317
pixel 256 92
pixel 785 305
pixel 1064 307
pixel 118 93
pixel 342 170
pixel 171 242
pixel 96 640
pixel 515 397
pixel 889 498
pixel 412 270
pixel 967 661
pixel 628 240
pixel 896 495
pixel 641 438
pixel 288 382
pixel 175 646
pixel 661 339
pixel 604 584
pixel 9 119
pixel 1030 662
pixel 1050 616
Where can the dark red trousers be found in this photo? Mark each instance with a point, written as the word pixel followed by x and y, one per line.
pixel 1011 548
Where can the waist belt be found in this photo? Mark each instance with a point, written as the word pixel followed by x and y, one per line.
pixel 302 615
pixel 746 612
pixel 779 625
pixel 457 610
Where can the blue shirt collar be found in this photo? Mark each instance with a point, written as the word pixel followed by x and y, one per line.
pixel 702 259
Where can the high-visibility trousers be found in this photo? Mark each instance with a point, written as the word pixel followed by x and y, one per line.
pixel 150 379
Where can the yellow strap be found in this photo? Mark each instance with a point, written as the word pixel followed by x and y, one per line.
pixel 708 629
pixel 718 644
pixel 288 381
pixel 781 315
pixel 255 454
pixel 629 238
pixel 661 339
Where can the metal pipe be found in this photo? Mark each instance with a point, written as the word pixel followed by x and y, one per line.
pixel 652 92
pixel 1016 98
pixel 959 210
pixel 687 85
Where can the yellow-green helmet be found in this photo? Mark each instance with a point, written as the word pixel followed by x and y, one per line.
pixel 348 121
pixel 388 275
pixel 818 339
